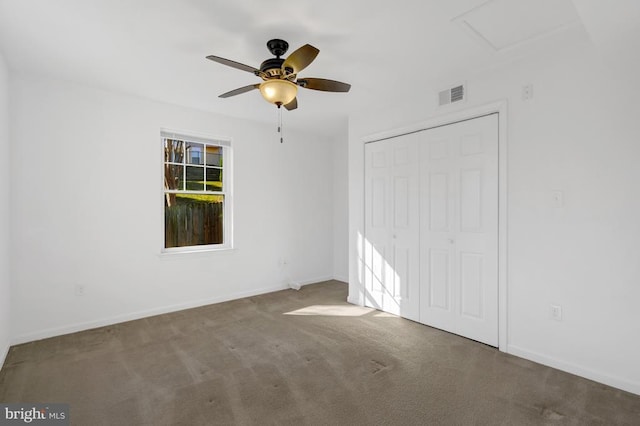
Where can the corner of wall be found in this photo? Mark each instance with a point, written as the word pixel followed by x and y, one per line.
pixel 5 227
pixel 4 351
pixel 340 185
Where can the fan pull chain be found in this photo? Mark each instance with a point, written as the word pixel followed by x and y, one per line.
pixel 280 124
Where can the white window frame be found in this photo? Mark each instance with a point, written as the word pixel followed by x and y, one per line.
pixel 227 188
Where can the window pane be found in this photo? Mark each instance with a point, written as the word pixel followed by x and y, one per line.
pixel 214 179
pixel 173 177
pixel 214 156
pixel 195 153
pixel 193 219
pixel 195 178
pixel 173 151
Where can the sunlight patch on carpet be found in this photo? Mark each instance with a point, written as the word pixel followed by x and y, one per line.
pixel 332 311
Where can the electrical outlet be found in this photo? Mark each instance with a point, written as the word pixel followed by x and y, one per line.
pixel 527 92
pixel 79 290
pixel 556 312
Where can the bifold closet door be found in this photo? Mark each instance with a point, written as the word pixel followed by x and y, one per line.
pixel 459 228
pixel 391 240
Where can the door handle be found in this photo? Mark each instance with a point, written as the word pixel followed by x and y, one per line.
pixel 452 241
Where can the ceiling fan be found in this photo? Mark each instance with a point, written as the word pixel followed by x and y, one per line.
pixel 280 76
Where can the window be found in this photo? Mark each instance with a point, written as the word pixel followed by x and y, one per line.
pixel 197 196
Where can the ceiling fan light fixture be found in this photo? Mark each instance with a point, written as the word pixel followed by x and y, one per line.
pixel 280 75
pixel 278 92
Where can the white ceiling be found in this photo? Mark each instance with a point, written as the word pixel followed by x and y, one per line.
pixel 156 48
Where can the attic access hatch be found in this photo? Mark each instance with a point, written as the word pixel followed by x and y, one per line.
pixel 503 24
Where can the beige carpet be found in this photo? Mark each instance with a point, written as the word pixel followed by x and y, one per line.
pixel 298 358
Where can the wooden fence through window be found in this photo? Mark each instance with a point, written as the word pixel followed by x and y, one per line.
pixel 193 224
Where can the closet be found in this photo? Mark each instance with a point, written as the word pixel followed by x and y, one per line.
pixel 431 227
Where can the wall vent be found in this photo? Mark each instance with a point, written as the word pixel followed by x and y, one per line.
pixel 454 94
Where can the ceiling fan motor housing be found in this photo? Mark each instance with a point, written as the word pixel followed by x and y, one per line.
pixel 272 67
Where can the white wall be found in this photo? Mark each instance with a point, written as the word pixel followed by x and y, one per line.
pixel 579 134
pixel 5 284
pixel 341 205
pixel 87 209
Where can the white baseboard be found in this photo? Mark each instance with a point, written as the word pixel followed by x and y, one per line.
pixel 316 280
pixel 73 328
pixel 616 382
pixel 88 325
pixel 341 278
pixel 4 351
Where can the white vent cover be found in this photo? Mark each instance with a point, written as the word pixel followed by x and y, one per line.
pixel 454 94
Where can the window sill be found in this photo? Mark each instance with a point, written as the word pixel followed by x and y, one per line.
pixel 195 251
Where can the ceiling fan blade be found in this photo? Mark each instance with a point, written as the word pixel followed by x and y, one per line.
pixel 292 105
pixel 323 84
pixel 301 58
pixel 239 91
pixel 233 64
